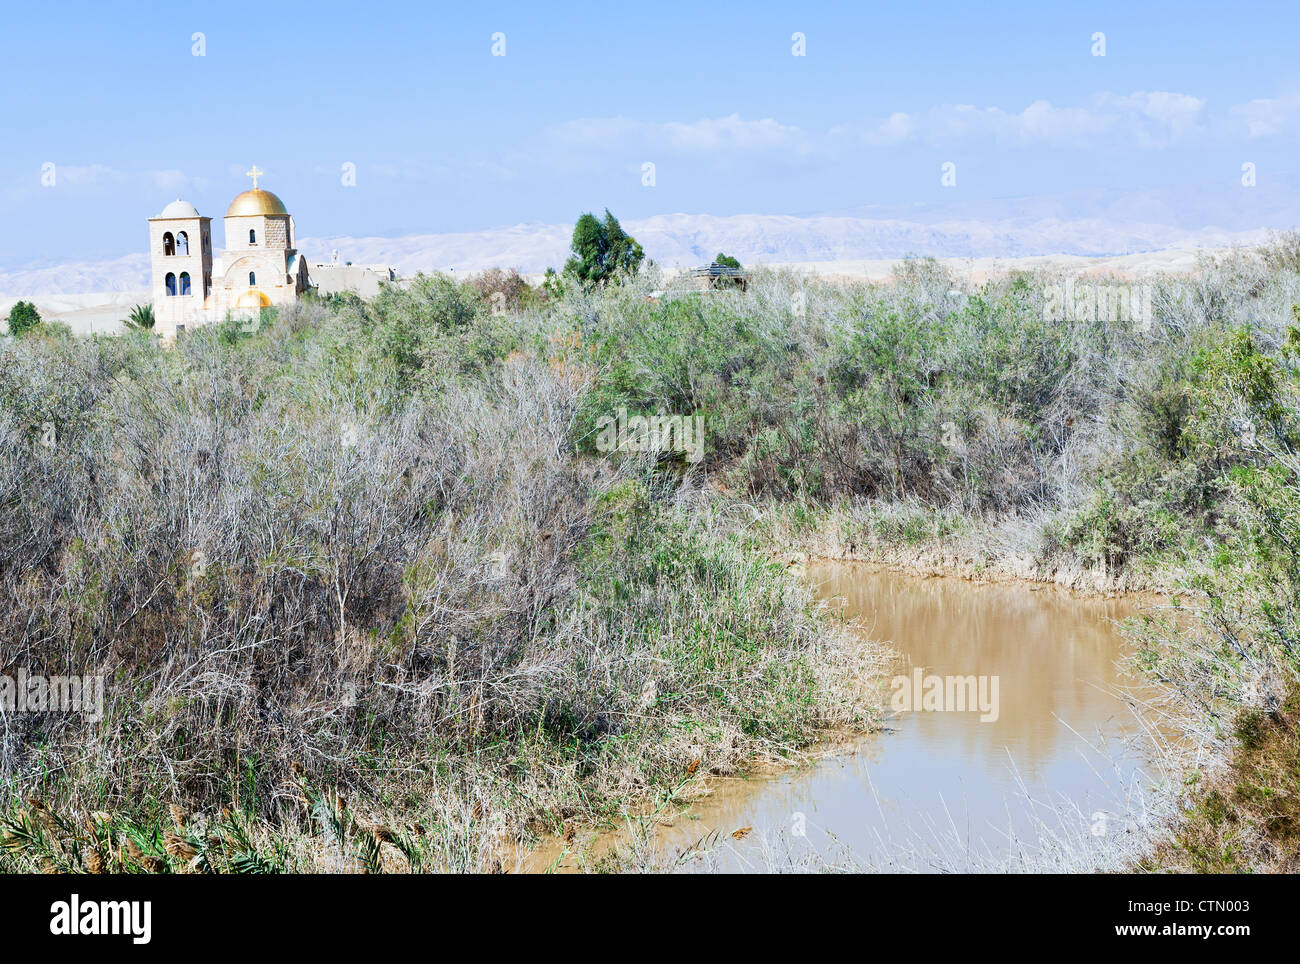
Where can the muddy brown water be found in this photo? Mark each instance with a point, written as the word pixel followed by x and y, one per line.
pixel 942 788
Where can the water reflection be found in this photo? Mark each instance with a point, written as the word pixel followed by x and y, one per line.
pixel 943 788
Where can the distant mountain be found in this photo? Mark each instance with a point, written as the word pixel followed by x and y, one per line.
pixel 75 277
pixel 683 240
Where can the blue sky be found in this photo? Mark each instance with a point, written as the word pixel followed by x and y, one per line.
pixel 447 137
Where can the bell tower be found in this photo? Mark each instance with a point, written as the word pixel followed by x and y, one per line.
pixel 180 257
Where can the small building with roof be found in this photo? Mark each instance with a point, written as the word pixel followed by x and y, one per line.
pixel 716 277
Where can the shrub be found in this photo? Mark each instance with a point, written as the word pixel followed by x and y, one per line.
pixel 506 291
pixel 23 317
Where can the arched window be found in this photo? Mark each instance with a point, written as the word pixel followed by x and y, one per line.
pixel 169 244
pixel 171 283
pixel 185 282
pixel 252 279
pixel 182 243
pixel 252 236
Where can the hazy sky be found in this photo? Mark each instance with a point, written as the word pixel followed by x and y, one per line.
pixel 445 136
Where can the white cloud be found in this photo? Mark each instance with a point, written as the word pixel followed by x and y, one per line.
pixel 1144 118
pixel 171 182
pixel 88 175
pixel 100 179
pixel 1267 116
pixel 1156 116
pixel 1041 122
pixel 103 176
pixel 704 136
pixel 898 127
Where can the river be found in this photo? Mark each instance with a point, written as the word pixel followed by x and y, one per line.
pixel 1058 760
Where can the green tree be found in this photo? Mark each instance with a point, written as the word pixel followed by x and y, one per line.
pixel 23 317
pixel 727 261
pixel 602 251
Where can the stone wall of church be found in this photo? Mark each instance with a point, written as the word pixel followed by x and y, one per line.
pixel 277 233
pixel 269 267
pixel 237 232
pixel 271 232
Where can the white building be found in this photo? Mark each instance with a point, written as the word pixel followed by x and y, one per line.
pixel 258 268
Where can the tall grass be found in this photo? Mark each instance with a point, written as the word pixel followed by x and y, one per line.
pixel 373 547
pixel 315 554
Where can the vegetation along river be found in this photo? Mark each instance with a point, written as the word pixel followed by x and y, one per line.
pixel 1048 749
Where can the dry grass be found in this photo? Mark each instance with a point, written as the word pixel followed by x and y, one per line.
pixel 372 549
pixel 290 573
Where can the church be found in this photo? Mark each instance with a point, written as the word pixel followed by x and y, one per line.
pixel 259 267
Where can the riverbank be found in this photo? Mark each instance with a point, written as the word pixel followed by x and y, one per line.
pixel 377 549
pixel 925 541
pixel 1070 707
pixel 406 646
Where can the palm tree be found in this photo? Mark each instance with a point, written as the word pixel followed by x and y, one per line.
pixel 141 318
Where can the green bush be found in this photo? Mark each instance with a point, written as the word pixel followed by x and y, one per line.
pixel 23 317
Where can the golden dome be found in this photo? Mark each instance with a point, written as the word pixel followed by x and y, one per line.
pixel 255 202
pixel 252 298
